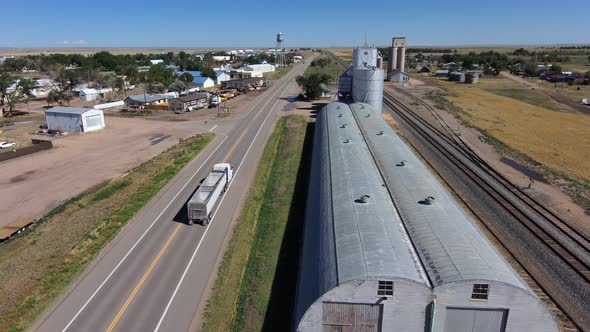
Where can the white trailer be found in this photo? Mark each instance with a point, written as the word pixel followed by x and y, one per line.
pixel 201 205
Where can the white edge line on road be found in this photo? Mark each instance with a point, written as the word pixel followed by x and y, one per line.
pixel 214 214
pixel 210 130
pixel 141 238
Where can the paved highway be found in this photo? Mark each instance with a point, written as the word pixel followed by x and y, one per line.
pixel 154 276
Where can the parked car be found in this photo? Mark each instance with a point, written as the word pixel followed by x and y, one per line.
pixel 4 145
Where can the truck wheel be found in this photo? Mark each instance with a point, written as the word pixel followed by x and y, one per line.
pixel 190 222
pixel 206 222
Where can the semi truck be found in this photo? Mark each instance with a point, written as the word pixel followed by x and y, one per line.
pixel 200 206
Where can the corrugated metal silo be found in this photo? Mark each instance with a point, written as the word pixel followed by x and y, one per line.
pixel 367 87
pixel 364 57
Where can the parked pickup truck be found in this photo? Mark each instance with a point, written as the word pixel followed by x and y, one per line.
pixel 200 206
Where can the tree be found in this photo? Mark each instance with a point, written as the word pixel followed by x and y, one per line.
pixel 321 62
pixel 187 79
pixel 159 78
pixel 531 69
pixel 120 86
pixel 12 93
pixel 208 72
pixel 312 84
pixel 556 68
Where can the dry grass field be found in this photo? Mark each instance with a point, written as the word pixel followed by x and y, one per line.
pixel 343 53
pixel 557 139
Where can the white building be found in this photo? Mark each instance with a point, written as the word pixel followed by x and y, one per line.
pixel 74 119
pixel 156 61
pixel 261 68
pixel 87 94
pixel 221 76
pixel 203 82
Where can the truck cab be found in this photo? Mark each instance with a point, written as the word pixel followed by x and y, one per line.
pixel 225 167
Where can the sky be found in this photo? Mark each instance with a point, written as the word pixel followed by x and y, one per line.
pixel 253 24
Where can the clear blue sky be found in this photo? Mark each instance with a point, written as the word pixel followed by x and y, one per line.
pixel 198 23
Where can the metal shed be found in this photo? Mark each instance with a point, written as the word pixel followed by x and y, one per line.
pixel 74 119
pixel 474 288
pixel 358 268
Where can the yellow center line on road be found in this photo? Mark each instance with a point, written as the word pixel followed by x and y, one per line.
pixel 143 279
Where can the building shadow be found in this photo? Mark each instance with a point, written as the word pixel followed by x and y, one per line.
pixel 279 313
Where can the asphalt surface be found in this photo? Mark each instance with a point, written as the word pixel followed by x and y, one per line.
pixel 154 276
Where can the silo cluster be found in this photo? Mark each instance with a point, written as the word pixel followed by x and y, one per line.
pixel 396 64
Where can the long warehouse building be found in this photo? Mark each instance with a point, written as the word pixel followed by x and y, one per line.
pixel 387 249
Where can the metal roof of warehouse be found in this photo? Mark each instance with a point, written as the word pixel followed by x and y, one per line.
pixel 450 246
pixel 68 110
pixel 149 98
pixel 369 238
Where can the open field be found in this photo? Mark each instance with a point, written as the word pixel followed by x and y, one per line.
pixel 37 266
pixel 558 140
pixel 343 53
pixel 265 244
pixel 508 88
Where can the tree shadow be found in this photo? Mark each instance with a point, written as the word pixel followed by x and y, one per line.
pixel 279 313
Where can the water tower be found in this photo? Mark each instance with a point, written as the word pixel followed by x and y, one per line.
pixel 279 51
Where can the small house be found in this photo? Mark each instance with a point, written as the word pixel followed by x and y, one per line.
pixel 189 103
pixel 87 94
pixel 143 100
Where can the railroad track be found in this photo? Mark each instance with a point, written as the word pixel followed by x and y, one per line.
pixel 576 234
pixel 568 243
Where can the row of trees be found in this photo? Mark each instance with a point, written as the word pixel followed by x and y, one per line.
pixel 105 61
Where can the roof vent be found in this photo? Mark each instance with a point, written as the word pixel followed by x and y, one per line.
pixel 380 132
pixel 364 199
pixel 347 140
pixel 362 107
pixel 402 163
pixel 343 126
pixel 368 115
pixel 427 201
pixel 337 107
